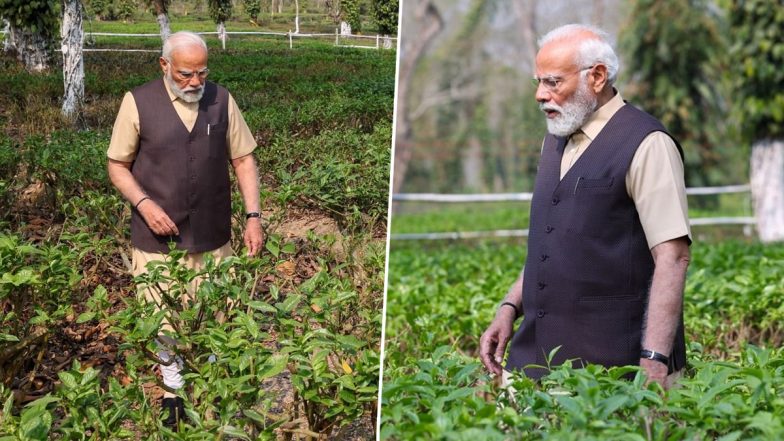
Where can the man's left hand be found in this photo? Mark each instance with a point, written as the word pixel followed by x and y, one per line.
pixel 254 236
pixel 655 371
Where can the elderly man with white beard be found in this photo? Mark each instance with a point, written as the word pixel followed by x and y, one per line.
pixel 609 235
pixel 172 143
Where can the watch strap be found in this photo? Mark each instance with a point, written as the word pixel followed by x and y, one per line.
pixel 653 355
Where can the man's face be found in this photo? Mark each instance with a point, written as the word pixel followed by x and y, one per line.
pixel 186 72
pixel 562 91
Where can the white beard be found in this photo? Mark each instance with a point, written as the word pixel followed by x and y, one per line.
pixel 190 95
pixel 574 112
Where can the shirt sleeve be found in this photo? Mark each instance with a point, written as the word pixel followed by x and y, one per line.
pixel 656 184
pixel 125 134
pixel 239 138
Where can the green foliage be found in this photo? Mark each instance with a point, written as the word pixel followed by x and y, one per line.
pixel 37 285
pixel 220 10
pixel 322 109
pixel 435 388
pixel 385 15
pixel 111 10
pixel 40 16
pixel 757 54
pixel 350 13
pixel 672 51
pixel 252 8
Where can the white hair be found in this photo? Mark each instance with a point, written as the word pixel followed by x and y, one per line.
pixel 591 50
pixel 179 40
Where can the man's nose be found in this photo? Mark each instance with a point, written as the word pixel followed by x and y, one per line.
pixel 195 81
pixel 542 94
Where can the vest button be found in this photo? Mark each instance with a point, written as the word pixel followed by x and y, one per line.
pixel 540 313
pixel 542 285
pixel 192 158
pixel 543 257
pixel 548 228
pixel 556 201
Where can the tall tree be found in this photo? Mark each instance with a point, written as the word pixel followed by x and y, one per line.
pixel 757 28
pixel 73 61
pixel 220 11
pixel 669 47
pixel 425 16
pixel 32 26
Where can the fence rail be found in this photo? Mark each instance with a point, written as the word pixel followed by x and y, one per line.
pixel 517 197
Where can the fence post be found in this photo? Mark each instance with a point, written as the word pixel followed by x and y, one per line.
pixel 291 40
pixel 377 41
pixel 336 37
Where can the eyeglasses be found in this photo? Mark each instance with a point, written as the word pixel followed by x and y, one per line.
pixel 187 75
pixel 552 82
pixel 202 74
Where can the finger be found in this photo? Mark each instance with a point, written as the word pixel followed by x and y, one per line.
pixel 498 356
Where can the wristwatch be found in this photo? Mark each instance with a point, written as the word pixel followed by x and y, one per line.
pixel 653 355
pixel 252 214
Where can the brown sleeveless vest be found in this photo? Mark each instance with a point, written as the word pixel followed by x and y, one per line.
pixel 185 173
pixel 588 267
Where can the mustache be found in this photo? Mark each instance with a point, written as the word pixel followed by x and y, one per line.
pixel 544 107
pixel 192 89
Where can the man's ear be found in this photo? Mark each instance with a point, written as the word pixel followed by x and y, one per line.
pixel 162 61
pixel 599 77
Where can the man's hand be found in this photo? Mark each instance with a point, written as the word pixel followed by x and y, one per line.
pixel 254 235
pixel 655 371
pixel 157 219
pixel 493 343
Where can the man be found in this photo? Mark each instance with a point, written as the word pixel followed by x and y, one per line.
pixel 168 156
pixel 609 235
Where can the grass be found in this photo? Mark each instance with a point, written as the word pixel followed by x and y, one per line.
pixel 420 217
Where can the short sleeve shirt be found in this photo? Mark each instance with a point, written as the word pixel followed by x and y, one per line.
pixel 655 180
pixel 125 135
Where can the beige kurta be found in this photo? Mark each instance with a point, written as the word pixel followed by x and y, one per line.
pixel 654 181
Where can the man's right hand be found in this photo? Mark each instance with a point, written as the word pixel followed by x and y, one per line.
pixel 493 343
pixel 157 219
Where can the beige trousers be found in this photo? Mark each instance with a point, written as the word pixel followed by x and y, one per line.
pixel 140 259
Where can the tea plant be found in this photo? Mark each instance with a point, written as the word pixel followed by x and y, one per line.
pixel 435 387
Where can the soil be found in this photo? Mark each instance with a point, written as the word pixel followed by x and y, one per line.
pixel 92 344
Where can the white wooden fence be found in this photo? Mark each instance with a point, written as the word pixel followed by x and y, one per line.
pixel 517 197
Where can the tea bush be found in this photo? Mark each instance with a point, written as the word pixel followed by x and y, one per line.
pixel 442 297
pixel 322 118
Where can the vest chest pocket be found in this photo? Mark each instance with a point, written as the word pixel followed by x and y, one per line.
pixel 595 207
pixel 216 132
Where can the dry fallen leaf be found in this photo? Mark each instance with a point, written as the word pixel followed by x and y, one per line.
pixel 286 268
pixel 346 368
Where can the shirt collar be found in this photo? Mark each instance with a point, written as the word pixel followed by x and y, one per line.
pixel 601 116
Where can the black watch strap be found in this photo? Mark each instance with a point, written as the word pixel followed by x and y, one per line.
pixel 653 355
pixel 252 214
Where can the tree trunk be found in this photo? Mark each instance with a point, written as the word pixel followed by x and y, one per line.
pixel 413 46
pixel 73 60
pixel 222 34
pixel 767 188
pixel 163 19
pixel 296 17
pixel 31 48
pixel 473 164
pixel 163 23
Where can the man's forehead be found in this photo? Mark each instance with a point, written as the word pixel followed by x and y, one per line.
pixel 556 57
pixel 190 54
